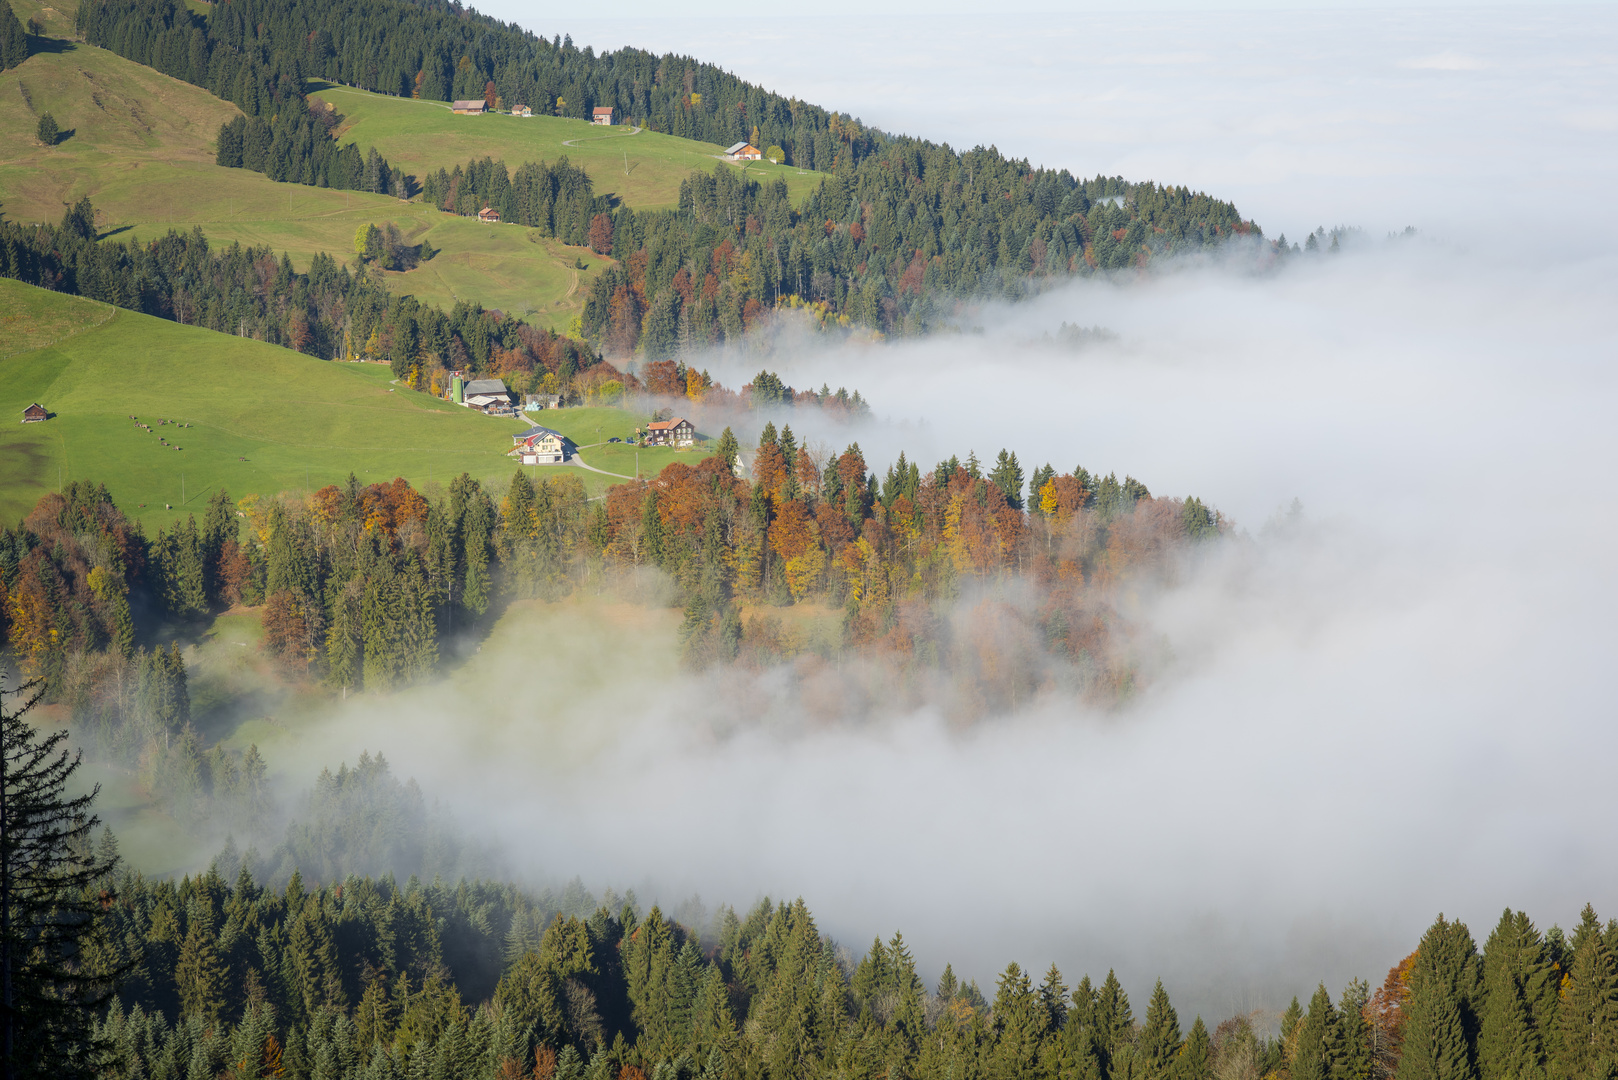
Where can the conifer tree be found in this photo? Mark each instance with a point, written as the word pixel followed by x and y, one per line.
pixel 199 975
pixel 13 39
pixel 1354 1061
pixel 1159 1038
pixel 728 449
pixel 1312 1057
pixel 50 913
pixel 1587 1046
pixel 1195 1061
pixel 1439 1019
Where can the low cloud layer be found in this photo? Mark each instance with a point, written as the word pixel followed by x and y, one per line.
pixel 1393 705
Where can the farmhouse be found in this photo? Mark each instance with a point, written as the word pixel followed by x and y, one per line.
pixel 35 413
pixel 743 151
pixel 675 432
pixel 602 114
pixel 469 108
pixel 486 394
pixel 489 216
pixel 523 111
pixel 540 446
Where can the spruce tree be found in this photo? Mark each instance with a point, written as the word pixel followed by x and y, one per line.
pixel 1354 1060
pixel 51 903
pixel 1439 1017
pixel 1587 1047
pixel 1196 1057
pixel 1159 1040
pixel 13 39
pixel 728 449
pixel 1312 1057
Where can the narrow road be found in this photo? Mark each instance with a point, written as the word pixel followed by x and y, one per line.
pixel 581 463
pixel 593 138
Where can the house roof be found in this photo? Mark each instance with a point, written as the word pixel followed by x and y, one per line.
pixel 665 425
pixel 536 431
pixel 739 147
pixel 477 104
pixel 600 109
pixel 484 386
pixel 36 405
pixel 488 211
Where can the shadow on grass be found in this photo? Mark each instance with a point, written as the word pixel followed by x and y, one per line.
pixel 52 46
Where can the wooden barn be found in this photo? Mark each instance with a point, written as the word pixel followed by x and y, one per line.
pixel 35 413
pixel 469 108
pixel 489 216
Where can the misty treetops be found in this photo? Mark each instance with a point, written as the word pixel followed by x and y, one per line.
pixel 369 978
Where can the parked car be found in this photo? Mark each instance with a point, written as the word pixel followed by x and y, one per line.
pixel 615 439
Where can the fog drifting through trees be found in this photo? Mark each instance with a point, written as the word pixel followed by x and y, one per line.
pixel 1391 705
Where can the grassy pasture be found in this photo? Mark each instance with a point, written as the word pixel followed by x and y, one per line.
pixel 262 419
pixel 142 148
pixel 420 136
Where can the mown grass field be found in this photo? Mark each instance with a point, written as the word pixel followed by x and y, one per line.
pixel 142 148
pixel 262 419
pixel 644 170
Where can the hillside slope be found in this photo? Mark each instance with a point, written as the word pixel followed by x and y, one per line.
pixel 263 419
pixel 141 147
pixel 643 168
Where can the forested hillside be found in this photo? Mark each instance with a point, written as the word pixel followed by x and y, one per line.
pixel 901 231
pixel 332 311
pixel 370 978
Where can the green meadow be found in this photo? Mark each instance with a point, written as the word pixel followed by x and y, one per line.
pixel 257 418
pixel 643 169
pixel 141 146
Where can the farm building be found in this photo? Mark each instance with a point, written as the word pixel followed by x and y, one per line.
pixel 35 413
pixel 675 432
pixel 540 446
pixel 602 115
pixel 534 402
pixel 469 108
pixel 522 110
pixel 485 394
pixel 743 151
pixel 489 216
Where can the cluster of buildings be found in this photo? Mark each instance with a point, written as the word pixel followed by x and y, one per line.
pixel 601 114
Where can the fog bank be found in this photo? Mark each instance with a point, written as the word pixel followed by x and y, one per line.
pixel 1395 705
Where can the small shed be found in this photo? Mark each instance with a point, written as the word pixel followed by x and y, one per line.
pixel 489 216
pixel 744 151
pixel 35 413
pixel 469 108
pixel 601 114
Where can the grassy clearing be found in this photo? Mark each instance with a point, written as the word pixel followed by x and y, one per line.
pixel 420 136
pixel 142 149
pixel 263 419
pixel 33 318
pixel 56 17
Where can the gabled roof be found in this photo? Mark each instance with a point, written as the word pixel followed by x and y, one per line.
pixel 536 432
pixel 600 109
pixel 35 405
pixel 477 104
pixel 738 148
pixel 665 425
pixel 484 386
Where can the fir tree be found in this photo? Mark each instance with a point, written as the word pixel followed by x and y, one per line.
pixel 50 917
pixel 1312 1056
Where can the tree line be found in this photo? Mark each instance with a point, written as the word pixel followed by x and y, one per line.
pixel 891 244
pixel 369 978
pixel 298 145
pixel 330 311
pixel 900 229
pixel 258 54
